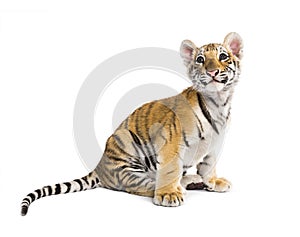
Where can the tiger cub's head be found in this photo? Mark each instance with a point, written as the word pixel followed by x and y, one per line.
pixel 213 67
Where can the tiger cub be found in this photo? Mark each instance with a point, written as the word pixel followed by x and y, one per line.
pixel 150 152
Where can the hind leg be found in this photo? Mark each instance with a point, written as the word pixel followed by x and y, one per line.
pixel 121 176
pixel 131 181
pixel 138 183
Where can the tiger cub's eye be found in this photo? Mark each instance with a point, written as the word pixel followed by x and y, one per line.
pixel 223 56
pixel 200 59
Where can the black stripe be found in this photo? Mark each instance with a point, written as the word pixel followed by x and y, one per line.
pixel 224 81
pixel 44 192
pixel 117 158
pixel 137 163
pixel 108 150
pixel 170 172
pixel 151 183
pixel 153 161
pixel 120 168
pixel 199 128
pixel 124 176
pixel 49 190
pixel 147 162
pixel 234 63
pixel 80 184
pixel 174 115
pixel 135 138
pixel 166 123
pixel 32 196
pixel 139 183
pixel 213 101
pixel 206 112
pixel 135 182
pixel 184 139
pixel 107 179
pixel 93 183
pixel 136 167
pixel 68 184
pixel 85 180
pixel 118 140
pixel 26 201
pixel 227 100
pixel 228 115
pixel 200 124
pixel 39 193
pixel 149 153
pixel 131 178
pixel 199 133
pixel 57 189
pixel 136 149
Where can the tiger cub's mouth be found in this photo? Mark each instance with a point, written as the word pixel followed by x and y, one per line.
pixel 219 80
pixel 223 81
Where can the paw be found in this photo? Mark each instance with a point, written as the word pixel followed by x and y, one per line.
pixel 169 198
pixel 218 185
pixel 192 182
pixel 196 186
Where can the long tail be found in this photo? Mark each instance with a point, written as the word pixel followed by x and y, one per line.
pixel 85 183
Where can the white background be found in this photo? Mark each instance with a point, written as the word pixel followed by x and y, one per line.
pixel 47 49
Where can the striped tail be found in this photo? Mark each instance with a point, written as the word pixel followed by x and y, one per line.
pixel 85 183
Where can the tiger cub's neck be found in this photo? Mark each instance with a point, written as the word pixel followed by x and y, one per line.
pixel 219 105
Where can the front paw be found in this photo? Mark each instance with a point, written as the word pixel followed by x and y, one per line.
pixel 172 198
pixel 218 185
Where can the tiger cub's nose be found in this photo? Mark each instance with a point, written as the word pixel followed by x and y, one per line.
pixel 213 73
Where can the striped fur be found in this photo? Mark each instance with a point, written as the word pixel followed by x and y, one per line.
pixel 151 150
pixel 85 183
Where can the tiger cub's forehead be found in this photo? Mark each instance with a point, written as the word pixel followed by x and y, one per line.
pixel 218 48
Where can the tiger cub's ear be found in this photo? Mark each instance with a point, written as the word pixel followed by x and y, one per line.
pixel 233 41
pixel 187 51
